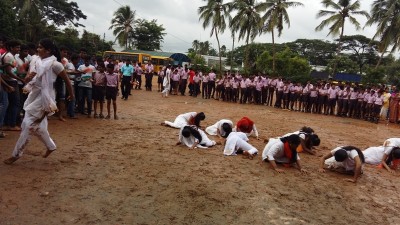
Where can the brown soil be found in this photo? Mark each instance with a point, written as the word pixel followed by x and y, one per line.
pixel 129 171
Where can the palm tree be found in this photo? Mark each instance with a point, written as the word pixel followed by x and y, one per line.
pixel 122 23
pixel 341 10
pixel 204 47
pixel 214 14
pixel 196 46
pixel 274 17
pixel 386 14
pixel 247 22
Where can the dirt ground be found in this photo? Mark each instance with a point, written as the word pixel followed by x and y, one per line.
pixel 129 171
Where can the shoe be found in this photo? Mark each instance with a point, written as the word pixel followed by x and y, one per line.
pixel 95 116
pixel 107 117
pixel 101 116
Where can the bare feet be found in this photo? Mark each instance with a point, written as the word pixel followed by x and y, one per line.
pixel 48 152
pixel 247 155
pixel 61 118
pixel 11 160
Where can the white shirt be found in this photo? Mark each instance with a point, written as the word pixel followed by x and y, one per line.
pixel 374 155
pixel 349 163
pixel 274 150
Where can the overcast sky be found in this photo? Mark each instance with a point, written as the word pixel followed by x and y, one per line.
pixel 182 26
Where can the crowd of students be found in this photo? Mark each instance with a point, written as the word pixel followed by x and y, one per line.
pixel 283 150
pixel 329 98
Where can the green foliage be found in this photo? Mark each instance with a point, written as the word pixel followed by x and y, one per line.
pixel 344 64
pixel 317 52
pixel 122 23
pixel 393 73
pixel 374 76
pixel 363 50
pixel 288 65
pixel 147 35
pixel 196 59
pixel 7 19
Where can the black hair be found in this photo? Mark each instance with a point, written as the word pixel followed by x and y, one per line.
pixel 83 50
pixel 110 66
pixel 11 44
pixel 341 155
pixel 394 154
pixel 31 46
pixel 74 57
pixel 315 141
pixel 49 45
pixel 63 48
pixel 101 64
pixel 295 140
pixel 24 48
pixel 191 130
pixel 227 128
pixel 199 116
pixel 307 130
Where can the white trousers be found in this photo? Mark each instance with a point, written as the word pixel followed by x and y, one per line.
pixel 29 129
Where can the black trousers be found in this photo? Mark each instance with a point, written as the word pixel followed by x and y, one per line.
pixel 126 86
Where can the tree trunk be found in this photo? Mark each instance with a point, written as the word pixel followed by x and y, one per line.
pixel 246 61
pixel 273 52
pixel 233 48
pixel 219 52
pixel 380 59
pixel 338 50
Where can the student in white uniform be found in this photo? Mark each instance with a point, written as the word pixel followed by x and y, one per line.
pixel 194 137
pixel 236 143
pixel 41 99
pixel 344 159
pixel 282 151
pixel 190 118
pixel 166 82
pixel 221 128
pixel 246 126
pixel 389 158
pixel 308 139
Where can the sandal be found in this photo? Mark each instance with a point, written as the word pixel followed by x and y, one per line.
pixel 108 117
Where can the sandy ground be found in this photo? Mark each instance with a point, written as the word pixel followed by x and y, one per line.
pixel 129 171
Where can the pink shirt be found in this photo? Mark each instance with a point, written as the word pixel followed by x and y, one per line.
pixel 235 84
pixel 112 79
pixel 332 93
pixel 371 99
pixel 353 95
pixel 212 76
pixel 379 100
pixel 243 84
pixel 99 79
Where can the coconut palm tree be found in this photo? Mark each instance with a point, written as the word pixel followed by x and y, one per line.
pixel 386 14
pixel 122 23
pixel 247 22
pixel 213 14
pixel 342 10
pixel 196 46
pixel 274 18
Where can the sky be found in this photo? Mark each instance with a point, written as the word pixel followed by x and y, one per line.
pixel 181 22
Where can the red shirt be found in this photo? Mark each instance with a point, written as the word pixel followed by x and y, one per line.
pixel 191 76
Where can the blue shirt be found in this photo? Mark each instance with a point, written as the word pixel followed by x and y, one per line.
pixel 127 70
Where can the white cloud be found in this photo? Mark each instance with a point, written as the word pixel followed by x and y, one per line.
pixel 180 19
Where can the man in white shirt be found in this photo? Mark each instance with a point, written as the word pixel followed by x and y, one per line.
pixel 149 70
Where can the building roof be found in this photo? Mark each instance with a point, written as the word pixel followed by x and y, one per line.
pixel 178 57
pixel 154 53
